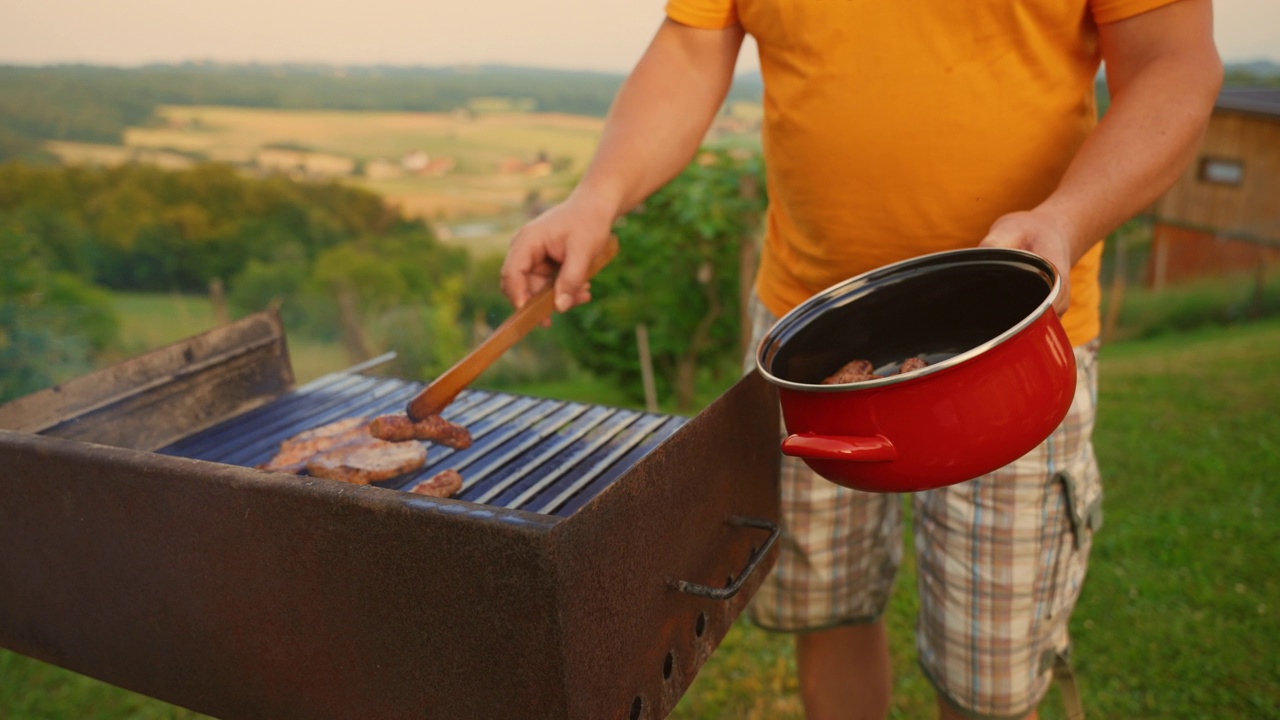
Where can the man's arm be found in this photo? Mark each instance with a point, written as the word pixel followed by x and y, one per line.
pixel 1164 74
pixel 655 126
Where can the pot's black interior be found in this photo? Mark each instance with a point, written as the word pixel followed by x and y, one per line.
pixel 933 310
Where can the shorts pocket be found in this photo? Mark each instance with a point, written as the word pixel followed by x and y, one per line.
pixel 1082 489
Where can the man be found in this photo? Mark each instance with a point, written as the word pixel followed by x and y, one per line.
pixel 894 129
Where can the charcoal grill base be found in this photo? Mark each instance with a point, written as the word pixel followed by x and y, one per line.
pixel 245 594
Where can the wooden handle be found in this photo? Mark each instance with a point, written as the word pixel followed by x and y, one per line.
pixel 445 388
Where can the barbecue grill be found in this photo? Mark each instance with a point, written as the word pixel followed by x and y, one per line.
pixel 588 567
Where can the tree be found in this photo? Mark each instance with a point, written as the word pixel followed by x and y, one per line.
pixel 677 273
pixel 51 323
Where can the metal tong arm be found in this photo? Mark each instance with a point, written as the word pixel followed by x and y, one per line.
pixel 538 308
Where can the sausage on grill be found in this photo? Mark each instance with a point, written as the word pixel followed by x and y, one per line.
pixel 398 428
pixel 442 485
pixel 358 451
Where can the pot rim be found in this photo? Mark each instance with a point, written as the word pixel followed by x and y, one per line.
pixel 1022 256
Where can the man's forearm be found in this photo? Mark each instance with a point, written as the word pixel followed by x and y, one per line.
pixel 1162 98
pixel 661 114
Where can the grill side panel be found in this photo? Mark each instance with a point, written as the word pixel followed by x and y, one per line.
pixel 244 594
pixel 668 518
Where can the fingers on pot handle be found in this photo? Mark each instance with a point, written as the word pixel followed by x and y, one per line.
pixel 874 448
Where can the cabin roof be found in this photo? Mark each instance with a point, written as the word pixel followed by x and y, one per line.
pixel 1257 101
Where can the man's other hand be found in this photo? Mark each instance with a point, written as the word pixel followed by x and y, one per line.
pixel 1042 233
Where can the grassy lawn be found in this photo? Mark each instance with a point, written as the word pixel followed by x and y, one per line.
pixel 1179 618
pixel 151 320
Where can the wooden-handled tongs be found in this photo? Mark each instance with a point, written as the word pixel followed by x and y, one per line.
pixel 445 388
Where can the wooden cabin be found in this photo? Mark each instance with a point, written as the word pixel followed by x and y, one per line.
pixel 1222 217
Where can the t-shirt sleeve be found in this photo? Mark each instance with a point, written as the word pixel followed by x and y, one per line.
pixel 1109 11
pixel 705 14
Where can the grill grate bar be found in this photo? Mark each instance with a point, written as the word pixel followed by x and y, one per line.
pixel 599 467
pixel 602 480
pixel 574 462
pixel 526 452
pixel 248 429
pixel 335 382
pixel 522 438
pixel 262 438
pixel 569 463
pixel 593 417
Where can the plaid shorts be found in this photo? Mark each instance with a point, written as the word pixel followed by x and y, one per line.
pixel 1000 559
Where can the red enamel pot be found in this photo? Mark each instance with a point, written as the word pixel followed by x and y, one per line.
pixel 1000 374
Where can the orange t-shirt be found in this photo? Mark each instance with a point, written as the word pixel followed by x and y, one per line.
pixel 894 129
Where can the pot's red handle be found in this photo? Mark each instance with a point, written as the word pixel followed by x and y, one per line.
pixel 875 448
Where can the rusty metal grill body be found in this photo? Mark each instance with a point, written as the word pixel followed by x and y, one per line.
pixel 580 575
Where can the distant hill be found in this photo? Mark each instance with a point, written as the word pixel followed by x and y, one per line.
pixel 1257 72
pixel 95 103
pixel 92 103
pixel 1260 68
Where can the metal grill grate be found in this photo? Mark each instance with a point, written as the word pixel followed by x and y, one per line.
pixel 543 456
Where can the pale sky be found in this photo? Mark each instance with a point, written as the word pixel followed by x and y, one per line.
pixel 606 35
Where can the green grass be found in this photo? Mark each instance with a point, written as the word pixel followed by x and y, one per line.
pixel 1179 617
pixel 1207 302
pixel 152 320
pixel 32 690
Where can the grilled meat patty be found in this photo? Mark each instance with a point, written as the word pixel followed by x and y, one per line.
pixel 358 451
pixel 368 460
pixel 442 485
pixel 297 450
pixel 398 428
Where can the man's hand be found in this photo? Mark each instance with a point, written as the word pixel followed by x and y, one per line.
pixel 657 122
pixel 1043 233
pixel 565 239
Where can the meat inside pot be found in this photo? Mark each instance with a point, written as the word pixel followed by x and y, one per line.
pixel 862 370
pixel 852 371
pixel 914 363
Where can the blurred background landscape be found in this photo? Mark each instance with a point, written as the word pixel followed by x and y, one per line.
pixel 370 204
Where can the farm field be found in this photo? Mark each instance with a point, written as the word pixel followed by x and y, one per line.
pixel 473 170
pixel 474 175
pixel 1178 618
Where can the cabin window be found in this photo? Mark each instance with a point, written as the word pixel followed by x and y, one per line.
pixel 1221 171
